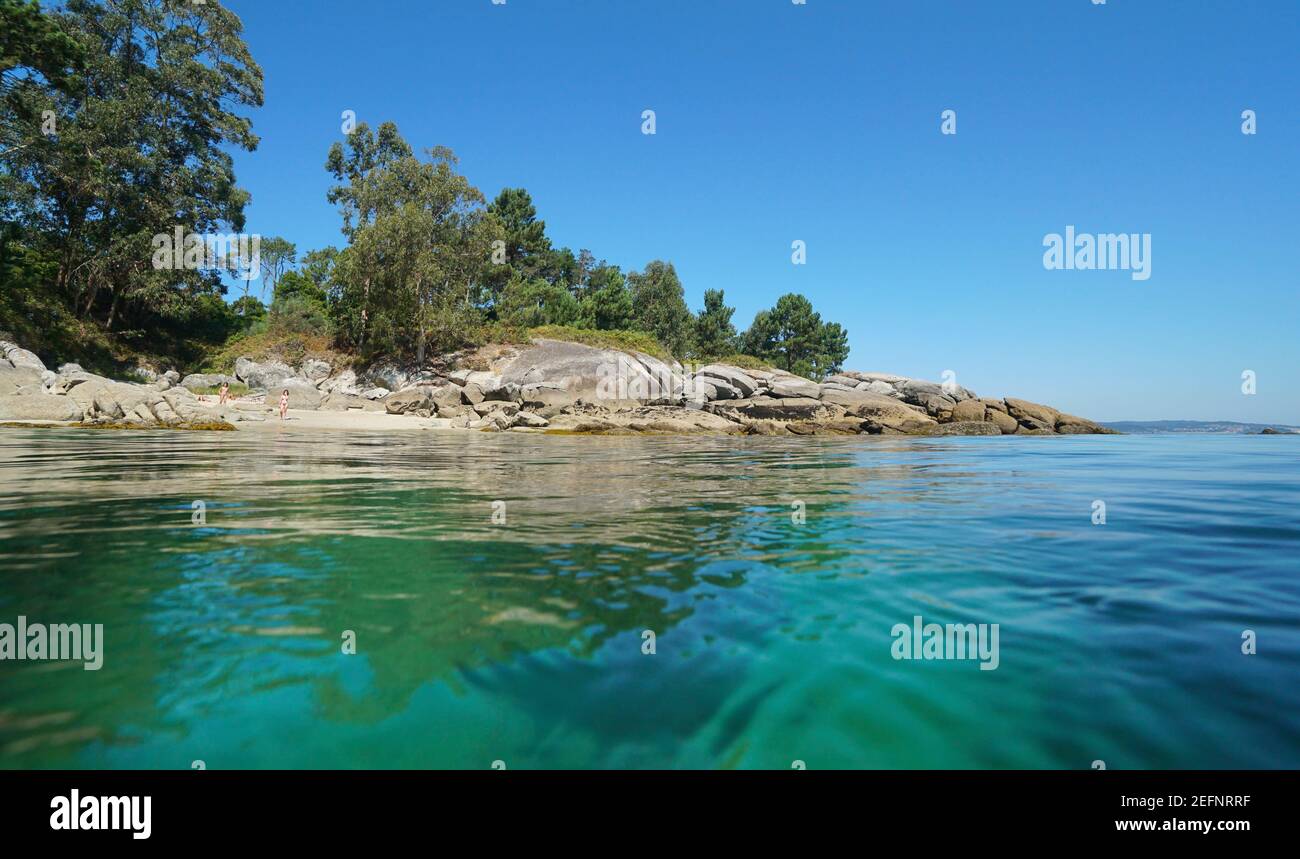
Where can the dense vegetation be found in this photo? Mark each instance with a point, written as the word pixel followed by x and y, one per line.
pixel 116 122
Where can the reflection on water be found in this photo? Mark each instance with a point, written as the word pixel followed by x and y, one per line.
pixel 522 641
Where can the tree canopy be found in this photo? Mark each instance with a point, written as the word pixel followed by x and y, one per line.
pixel 119 201
pixel 793 337
pixel 95 165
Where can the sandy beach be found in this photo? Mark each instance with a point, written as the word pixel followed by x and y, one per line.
pixel 351 420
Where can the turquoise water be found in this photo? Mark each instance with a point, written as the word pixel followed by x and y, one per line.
pixel 522 641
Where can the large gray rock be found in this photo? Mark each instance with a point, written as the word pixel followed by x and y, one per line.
pixel 486 381
pixel 265 374
pixel 130 398
pixel 716 389
pixel 186 406
pixel 700 391
pixel 336 401
pixel 887 378
pixel 936 405
pixel 445 396
pixel 589 373
pixel 302 394
pixel 919 392
pixel 38 407
pixel 744 383
pixel 314 371
pixel 345 383
pixel 508 392
pixel 772 408
pixel 877 387
pixel 1007 424
pixel 1032 415
pixel 839 379
pixel 914 388
pixel 968 410
pixel 530 420
pixel 195 381
pixel 395 377
pixel 883 413
pixel 546 400
pixel 387 375
pixel 14 378
pixel 410 401
pixel 795 386
pixel 19 357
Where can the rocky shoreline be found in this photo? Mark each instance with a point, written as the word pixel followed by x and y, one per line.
pixel 547 386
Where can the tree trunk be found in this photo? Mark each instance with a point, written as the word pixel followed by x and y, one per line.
pixel 112 311
pixel 420 319
pixel 365 311
pixel 93 290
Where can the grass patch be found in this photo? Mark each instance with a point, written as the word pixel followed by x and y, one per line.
pixel 626 341
pixel 290 348
pixel 742 362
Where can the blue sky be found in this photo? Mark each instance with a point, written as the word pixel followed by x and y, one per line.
pixel 779 122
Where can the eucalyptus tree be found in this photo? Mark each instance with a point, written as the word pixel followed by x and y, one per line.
pixel 277 255
pixel 138 146
pixel 361 166
pixel 421 240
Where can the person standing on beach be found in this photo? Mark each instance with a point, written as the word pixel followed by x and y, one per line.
pixel 284 403
pixel 225 393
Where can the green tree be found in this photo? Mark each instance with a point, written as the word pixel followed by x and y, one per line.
pixel 659 306
pixel 277 255
pixel 311 281
pixel 606 302
pixel 420 234
pixel 140 147
pixel 793 337
pixel 249 311
pixel 715 336
pixel 529 303
pixel 525 236
pixel 35 53
pixel 364 170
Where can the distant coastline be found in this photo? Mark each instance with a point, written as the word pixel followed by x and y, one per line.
pixel 1212 427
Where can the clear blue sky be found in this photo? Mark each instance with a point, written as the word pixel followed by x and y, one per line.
pixel 821 122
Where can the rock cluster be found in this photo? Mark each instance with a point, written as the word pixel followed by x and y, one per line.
pixel 570 387
pixel 30 392
pixel 548 385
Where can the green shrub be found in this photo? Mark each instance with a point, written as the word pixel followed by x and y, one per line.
pixel 743 362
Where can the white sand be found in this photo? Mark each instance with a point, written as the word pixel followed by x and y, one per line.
pixel 354 419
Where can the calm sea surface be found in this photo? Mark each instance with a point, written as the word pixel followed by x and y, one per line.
pixel 479 641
